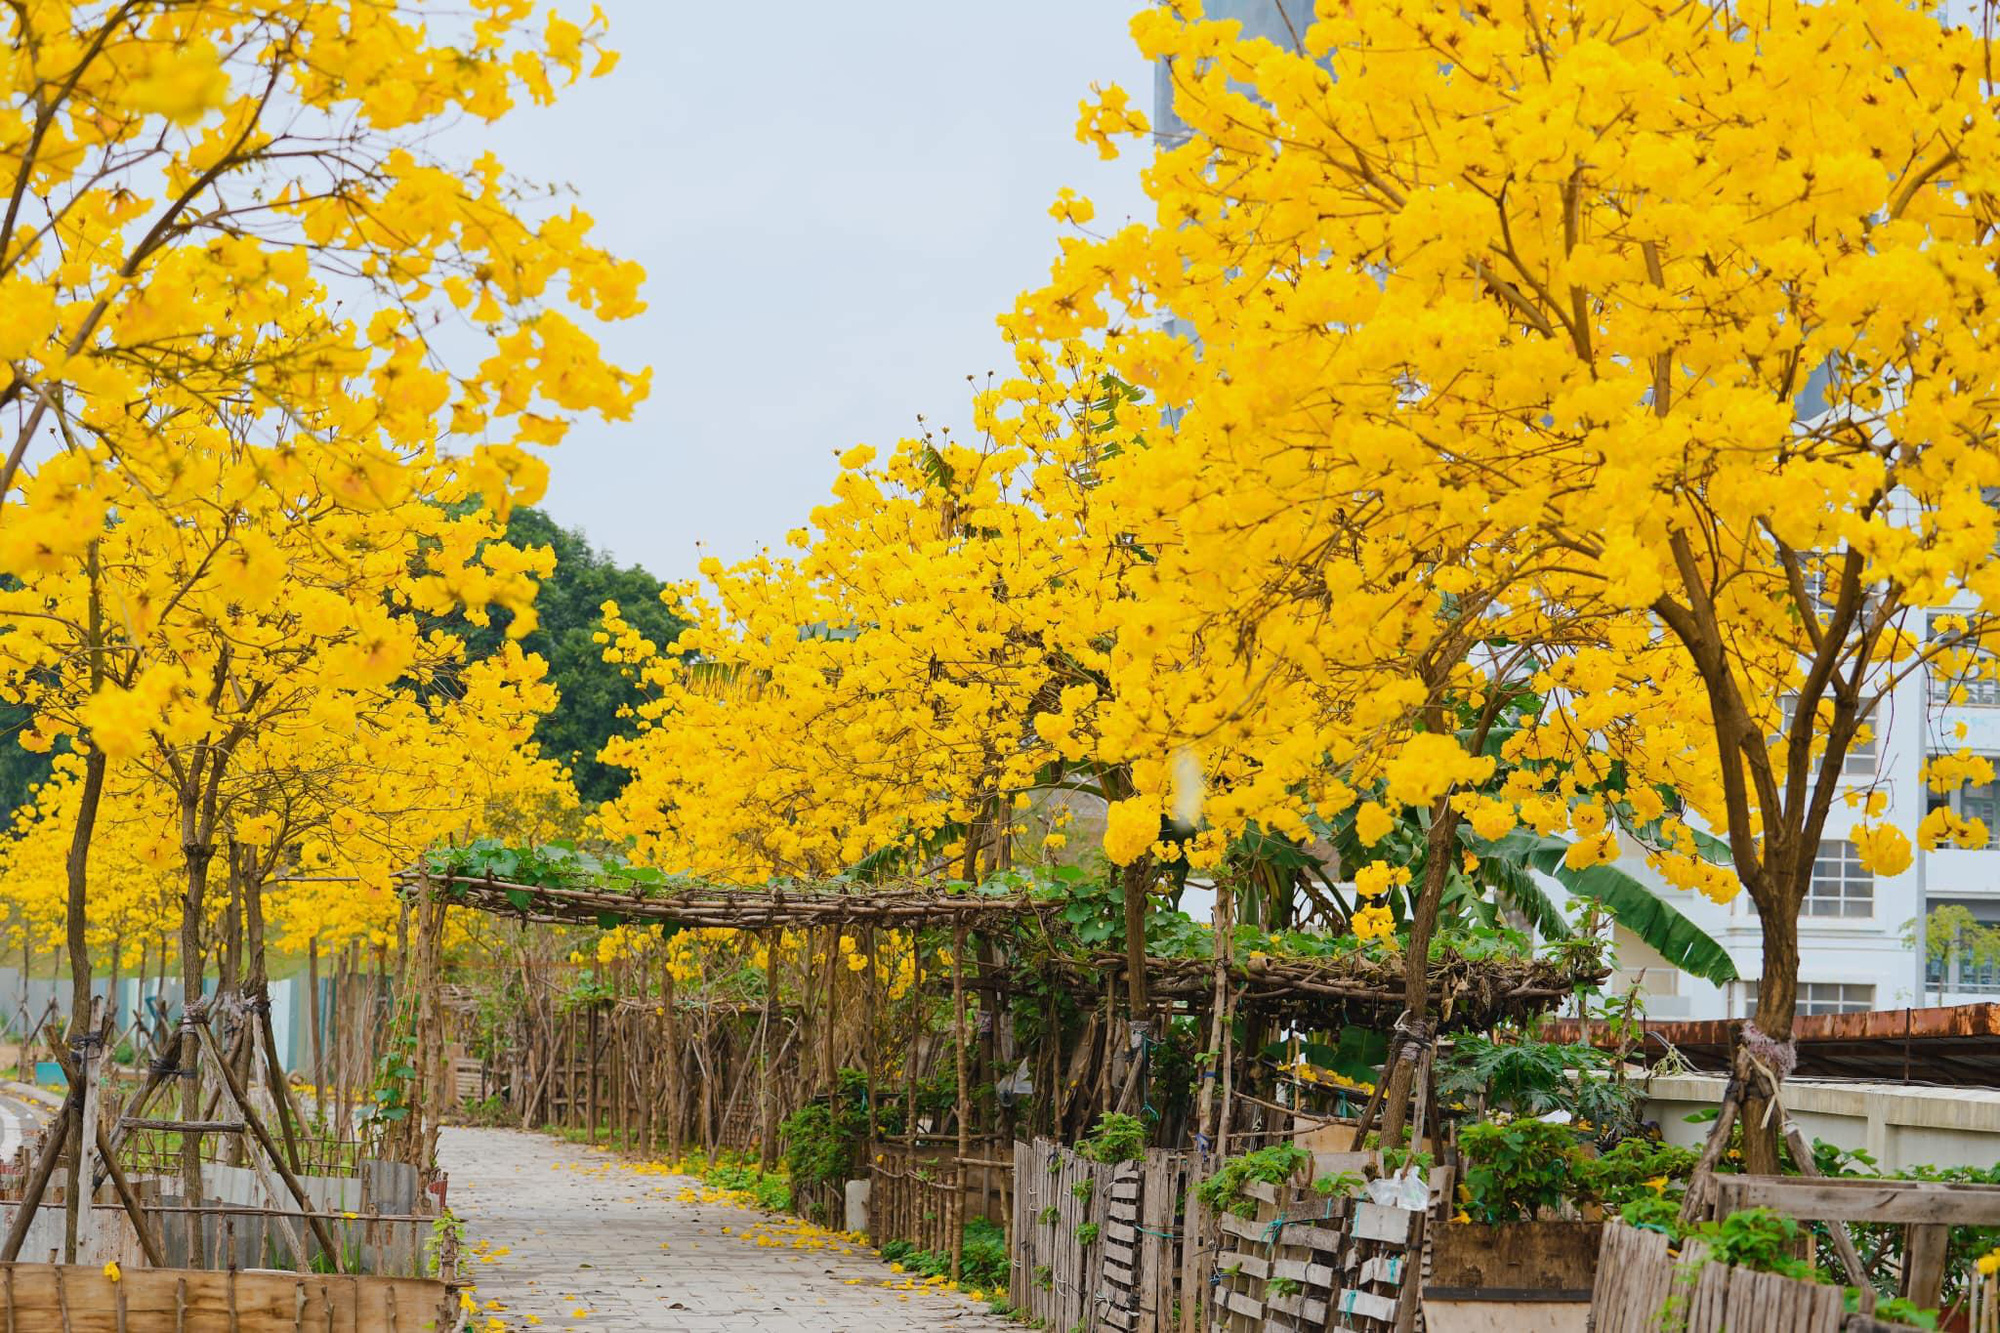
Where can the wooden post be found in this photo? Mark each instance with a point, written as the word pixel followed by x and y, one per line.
pixel 767 1116
pixel 312 1017
pixel 1207 1104
pixel 130 1198
pixel 676 1068
pixel 75 1205
pixel 869 1052
pixel 590 1074
pixel 255 1124
pixel 915 1003
pixel 830 1010
pixel 964 1101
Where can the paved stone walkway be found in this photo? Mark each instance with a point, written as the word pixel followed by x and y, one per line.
pixel 568 1239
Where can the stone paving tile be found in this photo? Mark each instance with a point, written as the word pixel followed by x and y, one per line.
pixel 584 1245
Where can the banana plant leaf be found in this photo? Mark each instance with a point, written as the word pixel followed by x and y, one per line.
pixel 1628 901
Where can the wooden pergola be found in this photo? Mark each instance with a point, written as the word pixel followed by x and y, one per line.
pixel 827 903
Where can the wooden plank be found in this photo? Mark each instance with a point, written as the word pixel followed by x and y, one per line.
pixel 1923 1263
pixel 1302 1308
pixel 1374 1221
pixel 1244 1228
pixel 1248 1265
pixel 1241 1303
pixel 1325 1239
pixel 1828 1199
pixel 1298 1270
pixel 1386 1268
pixel 1366 1304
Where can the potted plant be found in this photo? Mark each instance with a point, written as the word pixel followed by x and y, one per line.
pixel 1516 1238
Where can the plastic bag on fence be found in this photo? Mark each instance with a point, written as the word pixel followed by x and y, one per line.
pixel 1406 1189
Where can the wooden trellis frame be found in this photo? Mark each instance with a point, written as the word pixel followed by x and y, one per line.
pixel 1355 1265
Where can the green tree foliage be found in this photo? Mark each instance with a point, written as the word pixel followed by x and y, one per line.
pixel 568 608
pixel 19 769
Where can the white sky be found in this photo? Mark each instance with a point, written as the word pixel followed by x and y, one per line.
pixel 832 203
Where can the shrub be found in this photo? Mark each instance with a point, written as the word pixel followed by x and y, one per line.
pixel 1116 1138
pixel 1515 1171
pixel 818 1151
pixel 984 1265
pixel 1223 1191
pixel 1756 1238
pixel 1635 1168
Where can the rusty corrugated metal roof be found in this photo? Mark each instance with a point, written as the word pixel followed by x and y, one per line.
pixel 1955 1044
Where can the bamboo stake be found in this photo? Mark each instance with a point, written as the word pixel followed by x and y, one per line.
pixel 312 1018
pixel 767 1146
pixel 264 1140
pixel 964 1101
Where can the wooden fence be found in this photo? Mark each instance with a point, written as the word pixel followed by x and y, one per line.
pixel 249 1237
pixel 1104 1246
pixel 1642 1287
pixel 82 1299
pixel 913 1199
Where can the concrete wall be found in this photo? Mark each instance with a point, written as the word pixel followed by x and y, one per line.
pixel 21 1006
pixel 1900 1126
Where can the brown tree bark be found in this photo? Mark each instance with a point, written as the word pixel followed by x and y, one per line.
pixel 1777 998
pixel 1440 845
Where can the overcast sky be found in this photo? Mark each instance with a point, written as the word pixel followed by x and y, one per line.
pixel 832 203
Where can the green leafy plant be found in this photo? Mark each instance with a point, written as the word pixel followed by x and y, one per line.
pixel 1049 1216
pixel 1223 1192
pixel 1343 1183
pixel 984 1265
pixel 1756 1238
pixel 1087 1234
pixel 1655 1212
pixel 1084 1188
pixel 1633 1169
pixel 1115 1138
pixel 817 1151
pixel 1518 1170
pixel 1283 1286
pixel 1895 1310
pixel 1531 1078
pixel 447 1233
pixel 1395 1160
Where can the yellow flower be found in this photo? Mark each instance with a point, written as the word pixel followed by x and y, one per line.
pixel 1373 923
pixel 111 1270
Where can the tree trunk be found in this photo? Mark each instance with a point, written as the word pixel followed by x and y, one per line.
pixel 1136 879
pixel 196 853
pixel 1416 969
pixel 1777 997
pixel 1208 1106
pixel 76 926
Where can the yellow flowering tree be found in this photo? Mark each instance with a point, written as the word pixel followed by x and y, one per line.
pixel 1668 327
pixel 256 328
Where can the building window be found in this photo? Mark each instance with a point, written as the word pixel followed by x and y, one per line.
pixel 1981 802
pixel 1840 887
pixel 1970 668
pixel 1859 762
pixel 1820 997
pixel 1861 757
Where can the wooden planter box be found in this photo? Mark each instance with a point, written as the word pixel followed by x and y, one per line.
pixel 1525 1276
